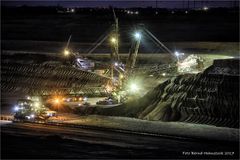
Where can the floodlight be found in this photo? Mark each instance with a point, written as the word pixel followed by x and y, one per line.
pixel 116 64
pixel 36 104
pixel 121 76
pixel 134 87
pixel 66 52
pixel 113 40
pixel 137 35
pixel 176 53
pixel 16 108
pixel 56 101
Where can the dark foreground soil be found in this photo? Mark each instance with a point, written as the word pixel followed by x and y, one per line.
pixel 22 147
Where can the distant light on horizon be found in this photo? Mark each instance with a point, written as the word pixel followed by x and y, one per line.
pixel 205 8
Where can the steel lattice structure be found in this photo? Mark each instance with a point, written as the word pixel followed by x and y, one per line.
pixel 46 79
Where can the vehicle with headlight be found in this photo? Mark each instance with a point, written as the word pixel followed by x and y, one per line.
pixel 30 109
pixel 108 102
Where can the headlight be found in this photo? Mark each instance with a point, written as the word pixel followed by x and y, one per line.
pixel 16 108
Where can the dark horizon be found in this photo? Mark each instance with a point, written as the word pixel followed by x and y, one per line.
pixel 126 4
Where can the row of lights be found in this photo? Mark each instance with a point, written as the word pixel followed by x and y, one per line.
pixel 186 12
pixel 72 10
pixel 58 100
pixel 131 12
pixel 113 40
pixel 205 8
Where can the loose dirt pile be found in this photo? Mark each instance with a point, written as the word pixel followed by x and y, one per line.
pixel 211 97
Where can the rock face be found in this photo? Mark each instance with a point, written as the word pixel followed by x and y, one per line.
pixel 211 97
pixel 224 67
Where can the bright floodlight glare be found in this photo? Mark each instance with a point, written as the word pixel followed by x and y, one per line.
pixel 56 101
pixel 66 52
pixel 16 108
pixel 176 53
pixel 113 40
pixel 137 35
pixel 205 8
pixel 36 104
pixel 121 76
pixel 134 87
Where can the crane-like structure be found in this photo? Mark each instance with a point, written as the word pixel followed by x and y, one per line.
pixel 115 39
pixel 115 61
pixel 66 50
pixel 130 64
pixel 123 70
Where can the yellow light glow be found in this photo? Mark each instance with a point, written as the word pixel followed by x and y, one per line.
pixel 113 40
pixel 109 88
pixel 134 87
pixel 56 101
pixel 121 76
pixel 66 52
pixel 36 104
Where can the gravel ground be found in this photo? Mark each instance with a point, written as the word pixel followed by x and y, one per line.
pixel 166 128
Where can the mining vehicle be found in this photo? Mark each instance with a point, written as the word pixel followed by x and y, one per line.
pixel 31 110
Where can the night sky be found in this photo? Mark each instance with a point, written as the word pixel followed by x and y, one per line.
pixel 125 4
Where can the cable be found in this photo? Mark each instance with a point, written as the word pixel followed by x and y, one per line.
pixel 159 42
pixel 99 41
